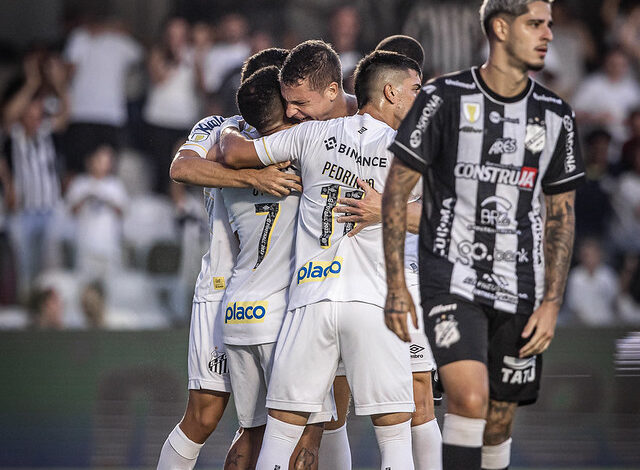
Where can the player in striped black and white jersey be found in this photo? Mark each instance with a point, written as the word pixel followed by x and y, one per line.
pixel 209 383
pixel 496 151
pixel 337 290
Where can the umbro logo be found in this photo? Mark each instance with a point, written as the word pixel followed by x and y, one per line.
pixel 362 130
pixel 415 349
pixel 329 143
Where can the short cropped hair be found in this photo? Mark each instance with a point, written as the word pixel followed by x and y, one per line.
pixel 491 8
pixel 405 45
pixel 372 66
pixel 259 98
pixel 315 61
pixel 264 58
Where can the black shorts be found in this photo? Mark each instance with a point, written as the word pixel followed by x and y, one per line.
pixel 460 330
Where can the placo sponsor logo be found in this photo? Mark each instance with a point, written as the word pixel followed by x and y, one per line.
pixel 524 178
pixel 315 271
pixel 518 371
pixel 245 312
pixel 503 145
pixel 459 84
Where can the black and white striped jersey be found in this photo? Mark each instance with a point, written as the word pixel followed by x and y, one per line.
pixel 487 162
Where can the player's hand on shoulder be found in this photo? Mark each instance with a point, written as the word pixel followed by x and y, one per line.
pixel 364 211
pixel 399 303
pixel 272 180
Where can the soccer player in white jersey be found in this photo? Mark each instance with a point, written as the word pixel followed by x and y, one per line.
pixel 209 383
pixel 337 292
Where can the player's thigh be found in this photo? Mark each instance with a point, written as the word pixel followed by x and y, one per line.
pixel 376 361
pixel 306 359
pixel 250 366
pixel 512 379
pixel 207 359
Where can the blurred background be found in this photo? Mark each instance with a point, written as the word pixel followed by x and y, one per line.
pixel 99 251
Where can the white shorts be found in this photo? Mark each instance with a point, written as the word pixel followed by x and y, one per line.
pixel 252 366
pixel 312 341
pixel 208 368
pixel 421 356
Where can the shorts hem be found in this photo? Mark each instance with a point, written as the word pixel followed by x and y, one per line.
pixel 285 405
pixel 322 417
pixel 378 408
pixel 423 366
pixel 254 422
pixel 223 385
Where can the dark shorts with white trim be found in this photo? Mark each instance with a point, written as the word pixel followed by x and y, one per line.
pixel 461 330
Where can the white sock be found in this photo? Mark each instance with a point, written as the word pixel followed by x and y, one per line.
pixel 496 457
pixel 461 431
pixel 426 442
pixel 178 452
pixel 395 446
pixel 279 440
pixel 335 453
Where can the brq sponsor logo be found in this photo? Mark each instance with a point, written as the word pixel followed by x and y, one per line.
pixel 524 178
pixel 245 312
pixel 316 271
pixel 516 371
pixel 499 216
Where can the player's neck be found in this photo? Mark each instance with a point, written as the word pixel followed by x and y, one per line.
pixel 502 78
pixel 345 105
pixel 385 115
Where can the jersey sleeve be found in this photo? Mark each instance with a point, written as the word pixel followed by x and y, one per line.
pixel 286 145
pixel 566 168
pixel 203 135
pixel 418 138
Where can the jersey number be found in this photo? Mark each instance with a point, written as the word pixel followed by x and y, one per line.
pixel 272 211
pixel 332 193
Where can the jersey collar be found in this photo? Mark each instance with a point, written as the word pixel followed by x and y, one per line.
pixel 496 97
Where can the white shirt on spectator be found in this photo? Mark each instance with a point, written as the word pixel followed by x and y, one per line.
pixel 591 297
pixel 220 60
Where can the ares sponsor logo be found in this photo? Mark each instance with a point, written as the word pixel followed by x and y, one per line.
pixel 516 371
pixel 428 112
pixel 496 118
pixel 459 84
pixel 245 312
pixel 546 98
pixel 441 308
pixel 503 145
pixel 446 331
pixel 415 350
pixel 443 230
pixel 570 158
pixel 535 137
pixel 524 178
pixel 218 362
pixel 315 271
pixel 470 252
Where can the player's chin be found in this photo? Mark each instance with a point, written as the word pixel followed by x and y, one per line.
pixel 536 66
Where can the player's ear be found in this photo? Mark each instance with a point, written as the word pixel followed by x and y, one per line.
pixel 332 91
pixel 390 93
pixel 500 27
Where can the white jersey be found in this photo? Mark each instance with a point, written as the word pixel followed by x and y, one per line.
pixel 257 292
pixel 218 261
pixel 331 155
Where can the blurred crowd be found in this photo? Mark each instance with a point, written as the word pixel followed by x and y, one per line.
pixel 93 234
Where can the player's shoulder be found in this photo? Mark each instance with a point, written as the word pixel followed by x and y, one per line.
pixel 452 84
pixel 203 128
pixel 549 99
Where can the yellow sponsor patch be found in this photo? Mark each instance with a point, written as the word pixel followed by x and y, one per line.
pixel 219 283
pixel 315 271
pixel 245 312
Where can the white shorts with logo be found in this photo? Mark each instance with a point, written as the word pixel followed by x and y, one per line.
pixel 208 368
pixel 421 356
pixel 312 341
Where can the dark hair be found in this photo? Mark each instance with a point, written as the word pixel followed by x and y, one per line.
pixel 405 45
pixel 259 98
pixel 371 66
pixel 315 61
pixel 264 58
pixel 491 8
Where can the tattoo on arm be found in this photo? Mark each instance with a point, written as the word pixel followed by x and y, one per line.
pixel 305 460
pixel 558 243
pixel 399 183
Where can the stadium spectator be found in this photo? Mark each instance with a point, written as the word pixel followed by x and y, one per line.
pixel 592 287
pixel 32 182
pixel 172 104
pixel 92 303
pixel 628 35
pixel 633 125
pixel 98 200
pixel 100 55
pixel 47 309
pixel 344 33
pixel 605 98
pixel 629 299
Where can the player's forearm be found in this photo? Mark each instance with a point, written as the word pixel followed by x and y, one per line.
pixel 558 244
pixel 414 213
pixel 394 220
pixel 200 172
pixel 238 151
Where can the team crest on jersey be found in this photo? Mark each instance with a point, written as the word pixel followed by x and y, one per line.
pixel 535 137
pixel 218 362
pixel 471 112
pixel 446 330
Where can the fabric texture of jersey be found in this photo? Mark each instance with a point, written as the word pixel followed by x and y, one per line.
pixel 331 156
pixel 487 163
pixel 257 292
pixel 218 261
